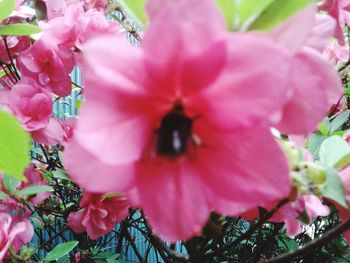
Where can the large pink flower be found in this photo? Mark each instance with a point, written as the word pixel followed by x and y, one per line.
pixel 31 104
pixel 171 123
pixel 13 232
pixel 315 83
pixel 98 215
pixel 48 66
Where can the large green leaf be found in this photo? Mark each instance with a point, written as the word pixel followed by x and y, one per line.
pixel 334 187
pixel 335 152
pixel 61 250
pixel 6 8
pixel 34 189
pixel 136 9
pixel 230 12
pixel 14 146
pixel 19 30
pixel 258 15
pixel 277 12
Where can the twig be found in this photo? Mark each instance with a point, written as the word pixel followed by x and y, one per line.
pixel 312 245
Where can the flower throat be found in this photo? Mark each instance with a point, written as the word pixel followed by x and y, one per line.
pixel 174 133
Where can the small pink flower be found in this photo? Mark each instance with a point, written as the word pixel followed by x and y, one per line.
pixel 30 104
pixel 336 53
pixel 173 119
pixel 340 11
pixel 54 133
pixel 315 83
pixel 35 177
pixel 49 67
pixel 99 5
pixel 15 45
pixel 98 215
pixel 13 231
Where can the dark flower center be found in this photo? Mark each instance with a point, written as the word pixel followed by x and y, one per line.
pixel 174 133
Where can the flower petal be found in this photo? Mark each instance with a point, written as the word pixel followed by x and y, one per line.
pixel 94 175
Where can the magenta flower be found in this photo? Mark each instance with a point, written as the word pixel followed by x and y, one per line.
pixel 49 67
pixel 172 120
pixel 30 104
pixel 98 215
pixel 13 232
pixel 315 84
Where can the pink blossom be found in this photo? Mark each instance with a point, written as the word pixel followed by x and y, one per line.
pixel 30 104
pixel 35 177
pixel 13 231
pixel 315 83
pixel 173 131
pixel 96 4
pixel 98 215
pixel 15 45
pixel 52 134
pixel 340 11
pixel 336 53
pixel 49 67
pixel 77 26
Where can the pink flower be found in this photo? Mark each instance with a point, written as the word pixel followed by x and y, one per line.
pixel 48 67
pixel 15 45
pixel 99 5
pixel 30 104
pixel 336 53
pixel 340 11
pixel 35 177
pixel 13 232
pixel 98 215
pixel 172 120
pixel 52 134
pixel 315 83
pixel 77 26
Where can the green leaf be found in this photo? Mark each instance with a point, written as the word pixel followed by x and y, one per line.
pixel 339 121
pixel 277 12
pixel 250 10
pixel 10 183
pixel 136 9
pixel 61 250
pixel 315 142
pixel 60 174
pixel 19 30
pixel 14 146
pixel 6 8
pixel 230 11
pixel 335 152
pixel 334 187
pixel 34 189
pixel 323 129
pixel 3 195
pixel 64 259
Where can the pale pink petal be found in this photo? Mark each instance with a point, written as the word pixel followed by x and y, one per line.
pixel 236 99
pixel 321 33
pixel 123 126
pixel 291 34
pixel 172 198
pixel 315 82
pixel 75 220
pixel 191 41
pixel 242 161
pixel 94 175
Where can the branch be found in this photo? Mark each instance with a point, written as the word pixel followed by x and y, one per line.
pixel 329 235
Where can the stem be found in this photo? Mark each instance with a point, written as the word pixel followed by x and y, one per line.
pixel 329 235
